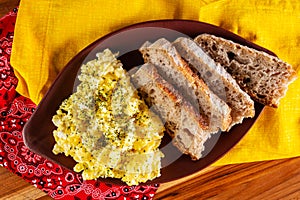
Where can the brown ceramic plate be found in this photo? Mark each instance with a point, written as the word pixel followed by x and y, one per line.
pixel 38 130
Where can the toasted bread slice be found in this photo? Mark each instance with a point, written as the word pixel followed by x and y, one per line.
pixel 264 77
pixel 218 80
pixel 177 72
pixel 185 125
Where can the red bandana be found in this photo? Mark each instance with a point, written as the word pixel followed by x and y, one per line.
pixel 15 110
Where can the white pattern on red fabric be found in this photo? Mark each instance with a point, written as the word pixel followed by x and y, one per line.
pixel 15 110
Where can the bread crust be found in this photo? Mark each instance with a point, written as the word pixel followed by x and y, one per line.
pixel 218 80
pixel 182 122
pixel 177 72
pixel 264 77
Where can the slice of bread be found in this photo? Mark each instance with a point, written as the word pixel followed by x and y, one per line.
pixel 218 80
pixel 182 122
pixel 176 71
pixel 264 77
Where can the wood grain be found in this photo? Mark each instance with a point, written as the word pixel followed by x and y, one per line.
pixel 15 188
pixel 260 180
pixel 269 180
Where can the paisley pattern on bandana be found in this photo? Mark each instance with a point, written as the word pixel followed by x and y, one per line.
pixel 15 110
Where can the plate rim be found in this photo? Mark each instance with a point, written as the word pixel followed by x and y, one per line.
pixel 91 46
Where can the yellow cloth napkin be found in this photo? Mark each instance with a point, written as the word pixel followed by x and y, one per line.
pixel 49 33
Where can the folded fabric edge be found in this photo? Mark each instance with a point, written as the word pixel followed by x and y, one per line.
pixel 25 107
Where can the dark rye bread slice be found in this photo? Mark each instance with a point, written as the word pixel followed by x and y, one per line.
pixel 176 71
pixel 264 77
pixel 183 124
pixel 218 80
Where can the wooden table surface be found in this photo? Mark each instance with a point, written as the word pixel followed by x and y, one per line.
pixel 269 180
pixel 260 180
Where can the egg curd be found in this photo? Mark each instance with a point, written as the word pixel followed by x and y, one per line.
pixel 105 126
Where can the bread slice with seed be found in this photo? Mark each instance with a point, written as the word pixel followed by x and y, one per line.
pixel 177 72
pixel 218 80
pixel 264 77
pixel 185 125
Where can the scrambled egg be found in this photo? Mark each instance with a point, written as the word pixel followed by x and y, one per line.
pixel 107 129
